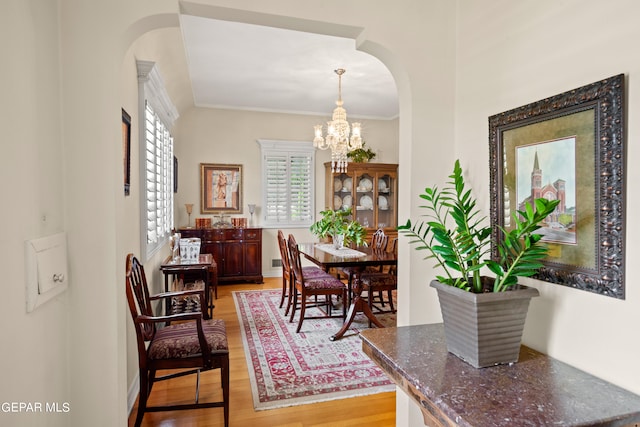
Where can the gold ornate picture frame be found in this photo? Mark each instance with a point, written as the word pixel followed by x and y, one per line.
pixel 220 188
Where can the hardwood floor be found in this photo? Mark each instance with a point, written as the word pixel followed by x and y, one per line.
pixel 371 411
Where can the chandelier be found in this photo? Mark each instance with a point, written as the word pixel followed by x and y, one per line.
pixel 341 138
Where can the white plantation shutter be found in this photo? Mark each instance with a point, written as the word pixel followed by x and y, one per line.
pixel 288 190
pixel 277 188
pixel 301 191
pixel 156 116
pixel 158 179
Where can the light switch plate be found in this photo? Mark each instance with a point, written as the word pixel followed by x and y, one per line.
pixel 46 269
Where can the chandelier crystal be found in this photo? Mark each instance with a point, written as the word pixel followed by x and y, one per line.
pixel 341 138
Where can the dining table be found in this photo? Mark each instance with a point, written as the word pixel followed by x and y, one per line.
pixel 358 258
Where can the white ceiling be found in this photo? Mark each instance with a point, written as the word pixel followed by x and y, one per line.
pixel 251 67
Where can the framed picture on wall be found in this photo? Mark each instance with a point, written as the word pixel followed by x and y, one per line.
pixel 569 147
pixel 175 174
pixel 126 150
pixel 220 188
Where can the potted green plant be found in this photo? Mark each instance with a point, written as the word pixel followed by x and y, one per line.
pixel 455 236
pixel 361 155
pixel 339 225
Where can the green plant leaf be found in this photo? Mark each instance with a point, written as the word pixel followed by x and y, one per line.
pixel 455 235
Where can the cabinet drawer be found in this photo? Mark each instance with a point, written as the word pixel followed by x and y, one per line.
pixel 213 235
pixel 233 234
pixel 189 233
pixel 221 234
pixel 252 234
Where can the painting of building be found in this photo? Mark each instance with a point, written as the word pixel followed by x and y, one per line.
pixel 559 227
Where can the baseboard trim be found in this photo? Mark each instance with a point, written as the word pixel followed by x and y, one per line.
pixel 133 392
pixel 270 274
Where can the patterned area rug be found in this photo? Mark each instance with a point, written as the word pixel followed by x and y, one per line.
pixel 287 369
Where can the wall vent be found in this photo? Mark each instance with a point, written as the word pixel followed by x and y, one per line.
pixel 276 262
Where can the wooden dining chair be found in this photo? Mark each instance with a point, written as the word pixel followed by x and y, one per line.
pixel 286 269
pixel 377 284
pixel 379 296
pixel 379 241
pixel 287 272
pixel 306 287
pixel 193 343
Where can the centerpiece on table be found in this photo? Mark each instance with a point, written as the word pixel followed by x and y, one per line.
pixel 483 315
pixel 339 225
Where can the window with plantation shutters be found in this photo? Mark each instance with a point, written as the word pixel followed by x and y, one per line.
pixel 288 184
pixel 158 179
pixel 156 116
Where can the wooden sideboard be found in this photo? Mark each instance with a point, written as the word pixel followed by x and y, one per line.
pixel 237 251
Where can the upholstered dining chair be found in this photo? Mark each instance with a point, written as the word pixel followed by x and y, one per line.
pixel 391 270
pixel 379 241
pixel 287 272
pixel 377 284
pixel 192 345
pixel 305 287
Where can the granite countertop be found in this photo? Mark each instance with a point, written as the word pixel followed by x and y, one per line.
pixel 537 391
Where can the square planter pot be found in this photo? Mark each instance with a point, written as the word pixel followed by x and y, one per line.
pixel 484 329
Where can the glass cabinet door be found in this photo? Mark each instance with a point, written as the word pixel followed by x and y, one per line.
pixel 365 202
pixel 342 191
pixel 386 201
pixel 370 190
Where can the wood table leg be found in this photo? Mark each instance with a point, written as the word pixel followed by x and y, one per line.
pixel 208 311
pixel 214 280
pixel 358 305
pixel 167 301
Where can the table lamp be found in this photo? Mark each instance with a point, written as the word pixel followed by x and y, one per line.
pixel 252 209
pixel 189 207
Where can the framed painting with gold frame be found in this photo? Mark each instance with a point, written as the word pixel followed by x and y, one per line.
pixel 220 188
pixel 571 147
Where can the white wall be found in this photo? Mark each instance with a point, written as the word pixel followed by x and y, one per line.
pixel 34 355
pixel 511 54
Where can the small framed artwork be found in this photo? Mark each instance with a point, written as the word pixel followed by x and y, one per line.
pixel 569 147
pixel 126 150
pixel 220 188
pixel 175 174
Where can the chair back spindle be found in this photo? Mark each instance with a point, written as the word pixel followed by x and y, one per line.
pixel 284 254
pixel 379 240
pixel 394 249
pixel 286 269
pixel 138 299
pixel 295 263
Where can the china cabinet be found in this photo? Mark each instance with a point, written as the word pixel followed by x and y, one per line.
pixel 370 189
